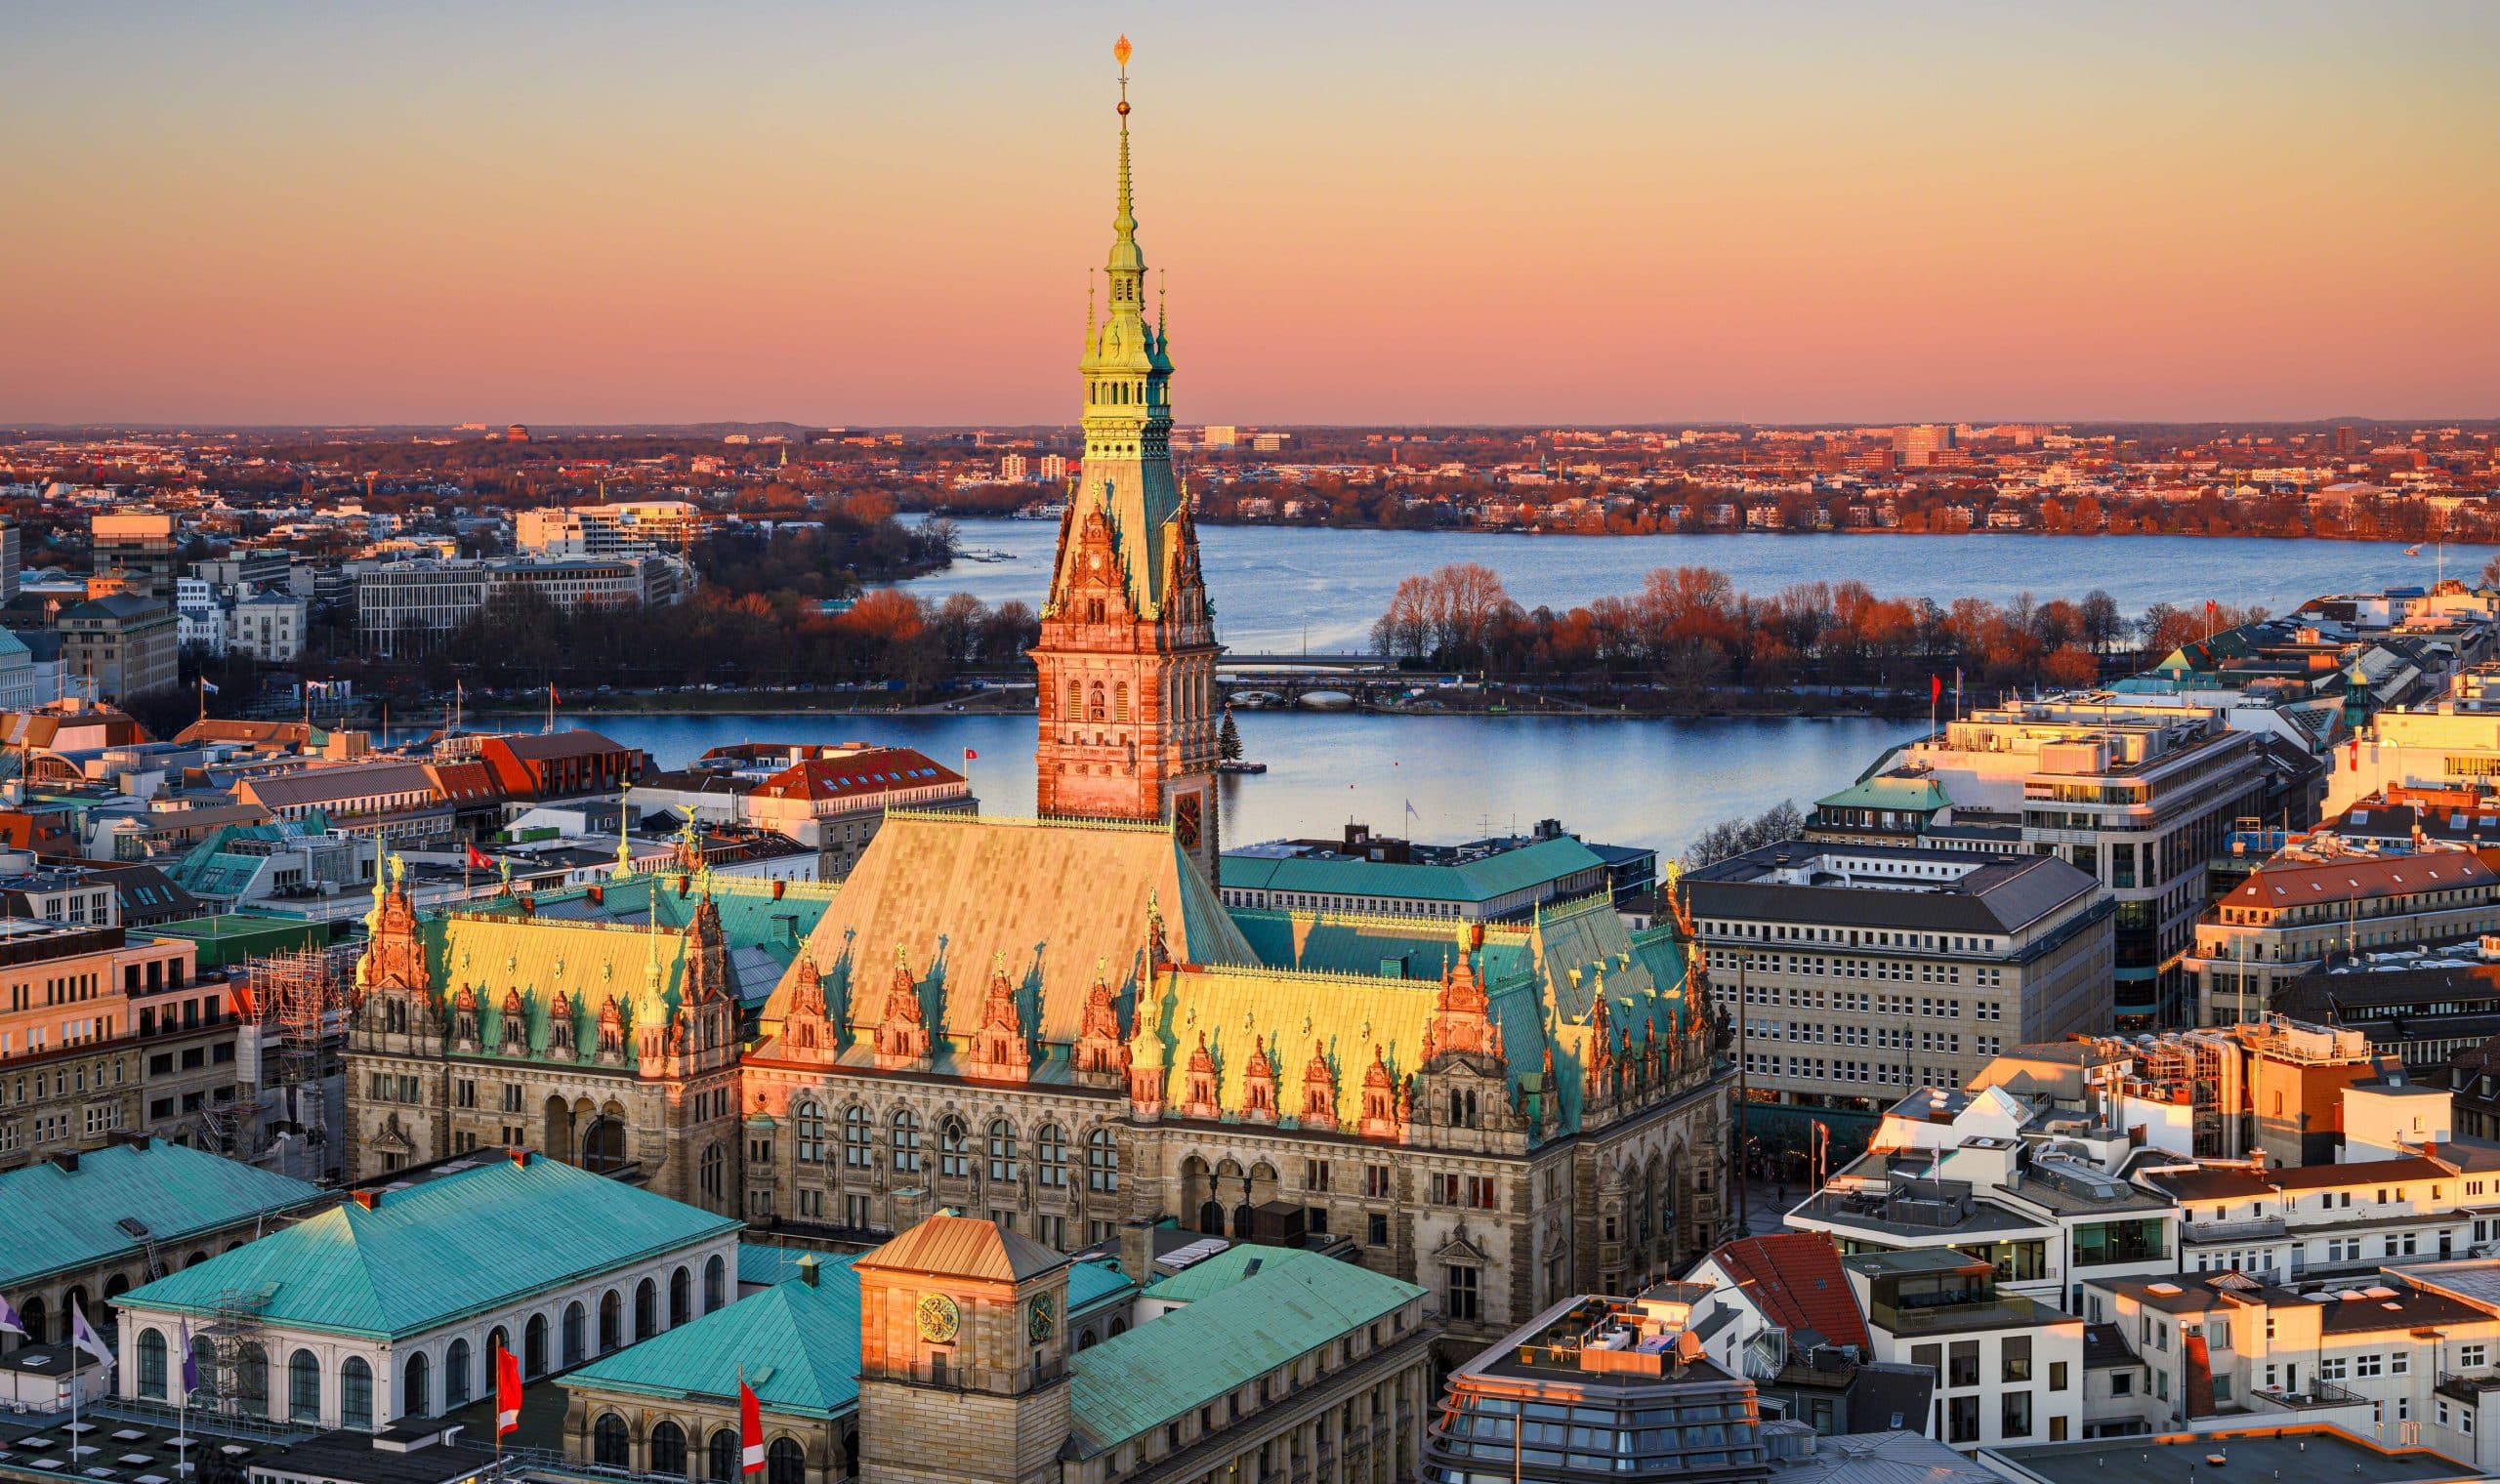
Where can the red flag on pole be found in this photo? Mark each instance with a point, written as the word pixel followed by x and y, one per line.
pixel 1934 688
pixel 750 1429
pixel 969 755
pixel 477 859
pixel 506 1393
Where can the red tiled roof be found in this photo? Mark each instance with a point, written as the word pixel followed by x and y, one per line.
pixel 2293 884
pixel 869 772
pixel 1795 1279
pixel 2386 1171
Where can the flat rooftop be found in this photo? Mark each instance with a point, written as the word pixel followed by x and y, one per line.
pixel 2313 1455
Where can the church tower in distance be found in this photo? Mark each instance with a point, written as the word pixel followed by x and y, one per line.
pixel 1127 653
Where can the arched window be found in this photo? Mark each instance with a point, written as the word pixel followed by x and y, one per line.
pixel 1095 712
pixel 721 1456
pixel 858 1144
pixel 304 1387
pixel 1087 1341
pixel 681 1297
pixel 716 1162
pixel 455 1375
pixel 786 1463
pixel 906 1141
pixel 1002 1150
pixel 252 1381
pixel 668 1449
pixel 611 1446
pixel 612 1321
pixel 1050 1156
pixel 414 1392
pixel 954 1148
pixel 151 1365
pixel 1119 1327
pixel 533 1346
pixel 576 1340
pixel 715 1284
pixel 356 1393
pixel 811 1122
pixel 1120 701
pixel 647 1309
pixel 1101 1162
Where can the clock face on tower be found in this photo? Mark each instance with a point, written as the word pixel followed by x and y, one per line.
pixel 939 1318
pixel 1188 819
pixel 1041 1323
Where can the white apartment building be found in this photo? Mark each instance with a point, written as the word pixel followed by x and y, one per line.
pixel 269 627
pixel 637 527
pixel 2226 1351
pixel 406 607
pixel 2041 1197
pixel 2009 1369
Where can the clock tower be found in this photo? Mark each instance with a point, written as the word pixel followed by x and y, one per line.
pixel 1127 655
pixel 963 1357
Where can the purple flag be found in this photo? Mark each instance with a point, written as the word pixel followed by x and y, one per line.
pixel 8 1320
pixel 83 1335
pixel 190 1362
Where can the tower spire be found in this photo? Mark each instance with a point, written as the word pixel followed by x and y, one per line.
pixel 1125 224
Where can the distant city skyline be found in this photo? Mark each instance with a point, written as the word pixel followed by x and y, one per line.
pixel 1477 214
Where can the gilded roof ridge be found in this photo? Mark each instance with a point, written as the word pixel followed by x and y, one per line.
pixel 1029 821
pixel 1274 971
pixel 506 918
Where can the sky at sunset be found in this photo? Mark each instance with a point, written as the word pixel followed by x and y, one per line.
pixel 837 214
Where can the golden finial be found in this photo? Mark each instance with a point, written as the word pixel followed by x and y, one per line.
pixel 1120 50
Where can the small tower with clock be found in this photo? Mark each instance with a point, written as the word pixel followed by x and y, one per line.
pixel 963 1361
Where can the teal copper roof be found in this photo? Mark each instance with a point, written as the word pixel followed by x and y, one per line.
pixel 1477 880
pixel 1094 1284
pixel 1209 1276
pixel 453 1244
pixel 797 1343
pixel 1167 1367
pixel 58 1221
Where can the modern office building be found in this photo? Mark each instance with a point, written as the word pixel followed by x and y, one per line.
pixel 139 545
pixel 2144 797
pixel 1869 969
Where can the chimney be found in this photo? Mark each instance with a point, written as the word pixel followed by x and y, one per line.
pixel 1137 1251
pixel 597 894
pixel 368 1199
pixel 780 887
pixel 67 1161
pixel 807 1269
pixel 521 1157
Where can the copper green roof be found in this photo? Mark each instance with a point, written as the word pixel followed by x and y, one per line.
pixel 454 1242
pixel 1089 1284
pixel 797 1343
pixel 59 1220
pixel 1886 791
pixel 1347 985
pixel 1168 1367
pixel 1478 881
pixel 1209 1276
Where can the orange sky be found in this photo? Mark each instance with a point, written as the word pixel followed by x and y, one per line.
pixel 1599 214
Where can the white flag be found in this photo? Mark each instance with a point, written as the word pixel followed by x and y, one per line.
pixel 83 1335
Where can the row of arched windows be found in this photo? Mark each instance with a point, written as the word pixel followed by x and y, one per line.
pixel 1080 708
pixel 611 1445
pixel 1119 395
pixel 462 1376
pixel 1001 1153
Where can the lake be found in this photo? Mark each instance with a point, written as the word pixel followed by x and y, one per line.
pixel 1644 783
pixel 1282 588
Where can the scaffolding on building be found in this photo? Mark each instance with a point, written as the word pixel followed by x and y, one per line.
pixel 234 1361
pixel 298 1000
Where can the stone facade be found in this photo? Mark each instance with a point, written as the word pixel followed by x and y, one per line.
pixel 598 1043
